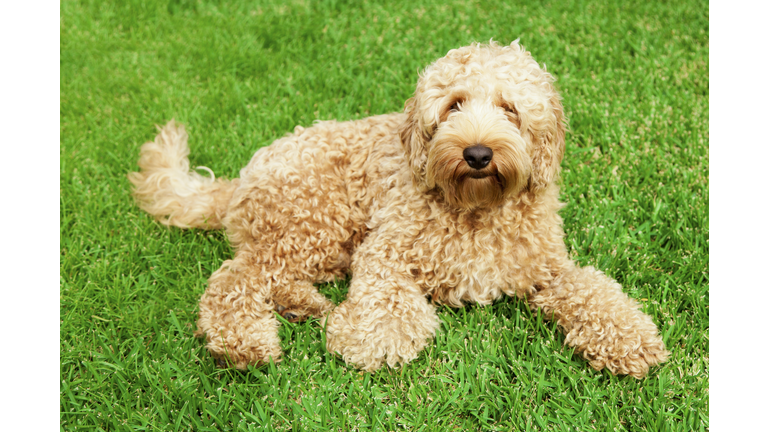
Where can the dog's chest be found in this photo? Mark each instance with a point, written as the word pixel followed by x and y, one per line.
pixel 467 263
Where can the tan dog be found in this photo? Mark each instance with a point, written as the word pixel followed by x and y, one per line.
pixel 454 199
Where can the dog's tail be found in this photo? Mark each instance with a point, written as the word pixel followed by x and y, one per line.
pixel 169 191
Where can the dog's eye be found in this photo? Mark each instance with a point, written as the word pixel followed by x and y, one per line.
pixel 510 109
pixel 454 107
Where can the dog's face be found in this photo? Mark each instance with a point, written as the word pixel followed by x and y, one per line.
pixel 485 124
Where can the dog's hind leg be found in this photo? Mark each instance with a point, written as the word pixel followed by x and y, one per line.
pixel 237 311
pixel 236 316
pixel 299 300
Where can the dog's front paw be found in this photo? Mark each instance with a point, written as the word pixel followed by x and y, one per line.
pixel 369 333
pixel 625 352
pixel 601 322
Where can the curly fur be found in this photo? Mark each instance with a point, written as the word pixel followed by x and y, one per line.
pixel 392 199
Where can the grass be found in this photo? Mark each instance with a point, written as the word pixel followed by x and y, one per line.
pixel 240 74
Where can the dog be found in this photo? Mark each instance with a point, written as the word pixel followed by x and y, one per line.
pixel 454 200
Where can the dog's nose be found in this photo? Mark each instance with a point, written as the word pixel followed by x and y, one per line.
pixel 478 156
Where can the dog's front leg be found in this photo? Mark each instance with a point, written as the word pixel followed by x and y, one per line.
pixel 386 317
pixel 602 322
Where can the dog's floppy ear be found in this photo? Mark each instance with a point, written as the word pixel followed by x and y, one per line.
pixel 549 149
pixel 414 142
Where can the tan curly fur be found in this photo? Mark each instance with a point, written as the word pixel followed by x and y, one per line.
pixel 397 200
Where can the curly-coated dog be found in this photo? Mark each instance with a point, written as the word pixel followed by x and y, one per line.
pixel 454 199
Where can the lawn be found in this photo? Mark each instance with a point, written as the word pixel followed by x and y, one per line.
pixel 239 74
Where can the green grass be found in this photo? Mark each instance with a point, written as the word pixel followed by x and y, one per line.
pixel 634 79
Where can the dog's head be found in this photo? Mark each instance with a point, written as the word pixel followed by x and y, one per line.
pixel 484 124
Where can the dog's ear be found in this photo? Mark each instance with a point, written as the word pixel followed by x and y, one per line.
pixel 549 149
pixel 414 142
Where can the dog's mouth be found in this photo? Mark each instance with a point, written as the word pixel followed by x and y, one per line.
pixel 463 173
pixel 472 188
pixel 479 174
pixel 485 179
pixel 489 173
